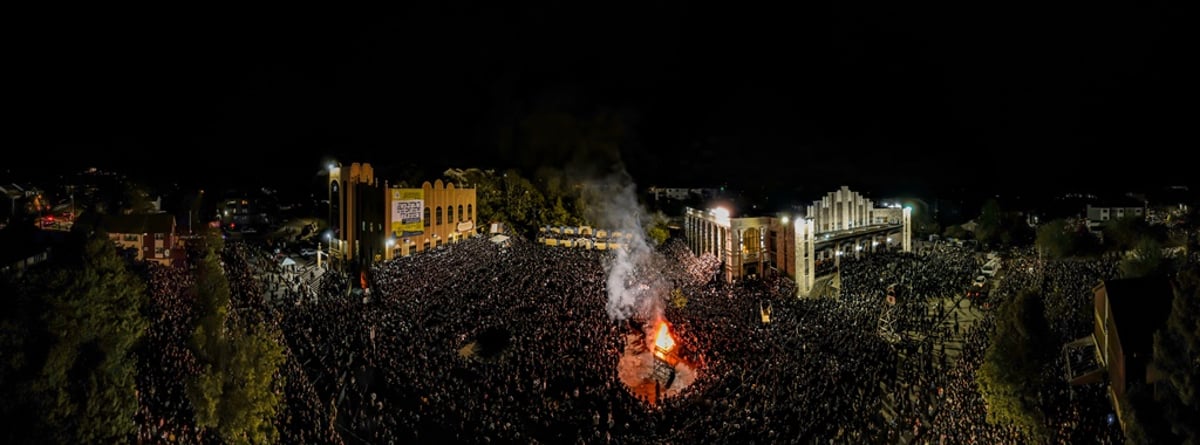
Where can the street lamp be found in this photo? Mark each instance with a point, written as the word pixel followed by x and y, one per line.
pixel 329 239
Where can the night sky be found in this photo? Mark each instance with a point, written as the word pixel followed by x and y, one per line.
pixel 889 95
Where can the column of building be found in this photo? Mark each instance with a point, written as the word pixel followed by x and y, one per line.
pixel 907 229
pixel 805 257
pixel 725 247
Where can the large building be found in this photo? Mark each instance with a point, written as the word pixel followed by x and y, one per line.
pixel 841 223
pixel 446 215
pixel 356 205
pixel 371 221
pixel 840 210
pixel 682 194
pixel 1098 215
pixel 148 237
pixel 1127 312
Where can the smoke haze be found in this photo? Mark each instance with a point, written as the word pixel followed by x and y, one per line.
pixel 632 286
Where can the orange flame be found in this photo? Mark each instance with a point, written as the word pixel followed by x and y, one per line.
pixel 663 343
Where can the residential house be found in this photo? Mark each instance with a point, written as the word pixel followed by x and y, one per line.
pixel 145 236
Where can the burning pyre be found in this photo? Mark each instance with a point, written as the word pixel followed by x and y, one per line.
pixel 663 343
pixel 653 366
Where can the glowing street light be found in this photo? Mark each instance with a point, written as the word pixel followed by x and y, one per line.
pixel 721 214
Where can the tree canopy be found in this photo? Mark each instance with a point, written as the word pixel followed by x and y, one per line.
pixel 1011 376
pixel 1145 259
pixel 236 393
pixel 1177 359
pixel 1059 239
pixel 84 310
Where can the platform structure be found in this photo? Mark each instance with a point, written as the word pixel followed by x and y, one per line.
pixel 887 317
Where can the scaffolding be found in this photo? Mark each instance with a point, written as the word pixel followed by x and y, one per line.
pixel 887 317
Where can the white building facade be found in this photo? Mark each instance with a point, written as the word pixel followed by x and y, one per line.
pixel 841 209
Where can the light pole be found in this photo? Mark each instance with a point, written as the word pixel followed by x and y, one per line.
pixel 329 239
pixel 329 190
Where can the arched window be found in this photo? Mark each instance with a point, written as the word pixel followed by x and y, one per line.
pixel 460 213
pixel 427 217
pixel 469 213
pixel 439 215
pixel 450 214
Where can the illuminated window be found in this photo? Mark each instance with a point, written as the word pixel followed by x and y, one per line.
pixel 427 217
pixel 439 215
pixel 450 214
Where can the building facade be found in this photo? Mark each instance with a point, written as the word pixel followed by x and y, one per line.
pixel 447 215
pixel 711 231
pixel 682 194
pixel 1127 313
pixel 1098 215
pixel 371 221
pixel 241 212
pixel 841 210
pixel 356 226
pixel 798 247
pixel 145 237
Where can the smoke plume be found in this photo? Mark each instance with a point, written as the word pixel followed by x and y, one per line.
pixel 634 289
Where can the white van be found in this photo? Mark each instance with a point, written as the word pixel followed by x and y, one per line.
pixel 990 268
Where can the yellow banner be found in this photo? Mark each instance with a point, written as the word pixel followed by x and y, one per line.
pixel 408 211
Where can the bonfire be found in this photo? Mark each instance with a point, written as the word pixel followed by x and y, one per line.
pixel 663 343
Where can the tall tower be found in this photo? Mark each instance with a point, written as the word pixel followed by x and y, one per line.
pixel 907 240
pixel 805 260
pixel 357 224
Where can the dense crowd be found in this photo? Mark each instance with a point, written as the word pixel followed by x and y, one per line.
pixel 479 343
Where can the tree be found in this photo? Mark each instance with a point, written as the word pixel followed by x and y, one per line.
pixel 1016 231
pixel 989 223
pixel 522 202
pixel 1059 239
pixel 1145 259
pixel 135 198
pixel 956 232
pixel 488 195
pixel 923 222
pixel 1176 348
pixel 1011 376
pixel 23 345
pixel 237 392
pixel 658 230
pixel 557 215
pixel 1144 417
pixel 94 316
pixel 1125 233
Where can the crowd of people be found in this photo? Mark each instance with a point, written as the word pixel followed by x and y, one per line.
pixel 475 342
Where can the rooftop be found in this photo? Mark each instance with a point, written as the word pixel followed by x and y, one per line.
pixel 139 223
pixel 1140 306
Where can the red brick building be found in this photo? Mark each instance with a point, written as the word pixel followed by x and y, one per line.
pixel 147 237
